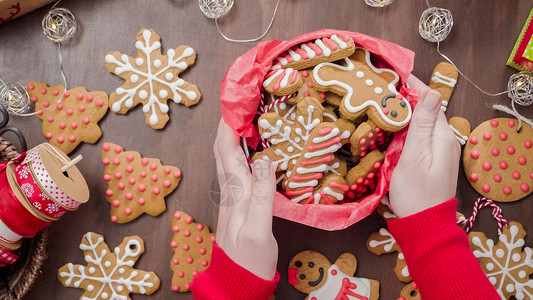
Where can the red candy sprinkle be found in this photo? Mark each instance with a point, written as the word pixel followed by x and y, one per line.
pixel 153 167
pixel 166 170
pixel 188 220
pixel 43 91
pixel 199 227
pixel 524 187
pixel 474 177
pixel 140 201
pixel 503 136
pixel 118 175
pixel 473 140
pixel 176 261
pixel 71 138
pixel 129 157
pixel 486 136
pixel 497 177
pixel 99 102
pixel 204 263
pixel 495 151
pixel 507 190
pixel 510 123
pixel 109 192
pixel 494 123
pixel 114 219
pixel 116 203
pixel 70 112
pixel 155 190
pixel 177 215
pixel 85 120
pixel 121 185
pixel 118 149
pixel 127 211
pixel 89 98
pixel 485 188
pixel 173 244
pixel 511 150
pixel 177 174
pixel 116 161
pixel 153 177
pixel 190 260
pixel 180 273
pixel 79 96
pixel 528 144
pixel 487 166
pixel 62 125
pixel 48 135
pixel 199 239
pixel 141 187
pixel 187 286
pixel 132 181
pixel 175 288
pixel 186 247
pixel 166 183
pixel 31 87
pixel 46 103
pixel 516 175
pixel 66 94
pixel 60 139
pixel 142 174
pixel 129 169
pixel 129 196
pixel 105 161
pixel 474 154
pixel 503 165
pixel 107 177
pixel 202 251
pixel 176 228
pixel 73 125
pixel 522 160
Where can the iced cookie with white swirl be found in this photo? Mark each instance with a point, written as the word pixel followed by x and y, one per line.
pixel 443 80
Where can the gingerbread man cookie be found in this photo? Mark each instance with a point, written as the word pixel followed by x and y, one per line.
pixel 71 121
pixel 152 78
pixel 192 244
pixel 443 80
pixel 382 242
pixel 109 274
pixel 136 184
pixel 368 137
pixel 508 267
pixel 310 54
pixel 410 292
pixel 498 160
pixel 312 273
pixel 365 90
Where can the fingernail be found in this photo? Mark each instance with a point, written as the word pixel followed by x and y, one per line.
pixel 432 100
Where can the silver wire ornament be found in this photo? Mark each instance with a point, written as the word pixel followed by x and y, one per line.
pixel 520 88
pixel 435 24
pixel 14 97
pixel 215 9
pixel 59 25
pixel 378 3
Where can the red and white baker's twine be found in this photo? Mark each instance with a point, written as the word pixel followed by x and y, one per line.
pixel 263 109
pixel 496 213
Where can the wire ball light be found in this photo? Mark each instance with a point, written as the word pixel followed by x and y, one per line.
pixel 215 9
pixel 378 3
pixel 59 25
pixel 435 24
pixel 14 97
pixel 520 88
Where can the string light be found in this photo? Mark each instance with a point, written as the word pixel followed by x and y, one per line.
pixel 59 25
pixel 435 24
pixel 14 97
pixel 520 88
pixel 378 3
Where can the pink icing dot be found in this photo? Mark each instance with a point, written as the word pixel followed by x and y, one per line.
pixel 176 261
pixel 305 74
pixel 85 120
pixel 46 103
pixel 62 125
pixel 309 84
pixel 473 140
pixel 377 129
pixel 176 228
pixel 153 177
pixel 114 219
pixel 166 183
pixel 40 112
pixel 528 144
pixel 55 92
pixel 181 274
pixel 43 91
pixel 69 112
pixel 177 215
pixel 177 174
pixel 66 94
pixel 494 123
pixel 202 251
pixel 34 99
pixel 144 161
pixel 73 125
pixel 503 165
pixel 60 139
pixel 194 273
pixel 507 190
pixel 399 96
pixel 116 161
pixel 495 151
pixel 531 175
pixel 522 160
pixel 486 136
pixel 129 196
pixel 31 87
pixel 187 286
pixel 511 150
pixel 79 96
pixel 510 123
pixel 362 142
pixel 48 135
pixel 116 203
pixel 153 167
pixel 485 188
pixel 377 165
pixel 142 174
pixel 141 187
pixel 99 102
pixel 186 233
pixel 129 157
pixel 474 154
pixel 503 136
pixel 385 110
pixel 474 177
pixel 155 190
pixel 71 138
pixel 185 247
pixel 175 288
pixel 516 175
pixel 166 170
pixel 109 192
pixel 89 98
pixel 497 177
pixel 213 238
pixel 129 169
pixel 204 263
pixel 140 201
pixel 487 166
pixel 132 181
pixel 190 260
pixel 199 239
pixel 371 175
pixel 188 220
pixel 307 94
pixel 107 177
pixel 121 185
pixel 524 187
pixel 118 175
pixel 173 244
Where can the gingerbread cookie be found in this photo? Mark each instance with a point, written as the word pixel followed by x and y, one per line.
pixel 368 137
pixel 72 120
pixel 365 90
pixel 382 242
pixel 443 80
pixel 192 244
pixel 508 267
pixel 282 82
pixel 109 274
pixel 461 128
pixel 310 54
pixel 136 184
pixel 329 114
pixel 498 160
pixel 410 292
pixel 312 273
pixel 384 209
pixel 152 78
pixel 307 89
pixel 363 178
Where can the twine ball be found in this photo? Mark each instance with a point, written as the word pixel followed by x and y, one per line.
pixel 215 9
pixel 59 25
pixel 520 88
pixel 435 24
pixel 14 97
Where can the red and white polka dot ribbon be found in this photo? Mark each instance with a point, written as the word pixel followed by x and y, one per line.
pixel 496 213
pixel 7 257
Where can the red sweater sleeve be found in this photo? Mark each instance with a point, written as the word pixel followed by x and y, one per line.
pixel 225 279
pixel 438 255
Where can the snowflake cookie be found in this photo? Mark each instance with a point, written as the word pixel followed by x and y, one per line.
pixel 508 264
pixel 152 78
pixel 109 275
pixel 72 120
pixel 192 244
pixel 135 184
pixel 382 242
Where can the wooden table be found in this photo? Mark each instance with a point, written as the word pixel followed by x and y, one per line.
pixel 480 42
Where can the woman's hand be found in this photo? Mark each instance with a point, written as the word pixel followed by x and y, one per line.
pixel 244 228
pixel 426 174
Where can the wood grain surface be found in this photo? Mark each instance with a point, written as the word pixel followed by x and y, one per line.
pixel 482 38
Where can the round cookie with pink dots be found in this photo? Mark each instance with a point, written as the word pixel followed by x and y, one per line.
pixel 498 160
pixel 192 244
pixel 135 184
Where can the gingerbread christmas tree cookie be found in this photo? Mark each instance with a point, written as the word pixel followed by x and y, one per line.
pixel 192 244
pixel 136 184
pixel 109 274
pixel 152 78
pixel 71 121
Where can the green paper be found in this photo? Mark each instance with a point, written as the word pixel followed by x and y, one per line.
pixel 528 53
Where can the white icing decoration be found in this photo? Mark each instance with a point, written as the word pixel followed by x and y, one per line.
pixel 369 82
pixel 151 77
pixel 460 137
pixel 330 116
pixel 306 170
pixel 269 80
pixel 388 243
pixel 319 139
pixel 169 76
pixel 378 90
pixel 297 184
pixel 107 264
pixel 405 270
pixel 325 50
pixel 439 78
pixel 490 266
pixel 143 95
pixel 163 94
pixel 309 51
pixel 360 74
pixel 290 149
pixel 330 149
pixel 134 78
pixel 295 56
pixel 282 106
pixel 90 288
pixel 350 92
pixel 157 63
pixel 333 285
pixel 77 276
pixel 285 81
pixel 339 41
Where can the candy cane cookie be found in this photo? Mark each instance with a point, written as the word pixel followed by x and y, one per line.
pixel 443 80
pixel 281 82
pixel 311 53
